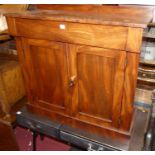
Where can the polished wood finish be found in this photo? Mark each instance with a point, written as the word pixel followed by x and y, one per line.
pixel 81 68
pixel 134 39
pixel 73 33
pixel 88 65
pixel 130 13
pixel 113 15
pixel 130 82
pixel 50 66
pixel 98 8
pixel 106 132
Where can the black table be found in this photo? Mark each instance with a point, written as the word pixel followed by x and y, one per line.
pixel 81 139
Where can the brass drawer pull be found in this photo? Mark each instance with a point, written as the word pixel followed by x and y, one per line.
pixel 144 75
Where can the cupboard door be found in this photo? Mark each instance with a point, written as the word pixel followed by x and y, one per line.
pixel 46 72
pixel 97 78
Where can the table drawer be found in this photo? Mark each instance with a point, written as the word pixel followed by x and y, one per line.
pixel 95 35
pixel 84 143
pixel 146 75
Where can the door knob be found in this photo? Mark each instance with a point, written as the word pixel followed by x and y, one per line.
pixel 72 81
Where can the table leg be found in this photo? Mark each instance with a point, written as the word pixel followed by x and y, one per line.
pixel 34 140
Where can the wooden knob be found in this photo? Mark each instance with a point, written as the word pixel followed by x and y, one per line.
pixel 72 81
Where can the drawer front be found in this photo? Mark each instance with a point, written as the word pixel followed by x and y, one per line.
pixel 146 75
pixel 95 35
pixel 85 143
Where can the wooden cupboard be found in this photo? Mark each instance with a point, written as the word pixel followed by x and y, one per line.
pixel 56 70
pixel 81 69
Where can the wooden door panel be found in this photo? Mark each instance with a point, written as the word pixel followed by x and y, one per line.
pixel 46 67
pixel 95 85
pixel 100 76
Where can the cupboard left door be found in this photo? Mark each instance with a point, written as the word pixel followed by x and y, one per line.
pixel 45 73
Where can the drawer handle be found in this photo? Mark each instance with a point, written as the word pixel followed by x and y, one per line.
pixel 144 75
pixel 90 147
pixel 72 81
pixel 146 70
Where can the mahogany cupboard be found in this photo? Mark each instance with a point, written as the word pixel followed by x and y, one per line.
pixel 80 68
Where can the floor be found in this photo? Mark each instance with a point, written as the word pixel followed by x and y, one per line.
pixel 24 139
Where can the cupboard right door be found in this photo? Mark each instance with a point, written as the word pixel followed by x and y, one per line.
pixel 96 79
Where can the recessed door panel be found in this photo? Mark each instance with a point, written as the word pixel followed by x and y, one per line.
pixel 46 69
pixel 98 85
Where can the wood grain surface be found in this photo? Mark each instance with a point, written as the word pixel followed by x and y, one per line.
pixel 107 15
pixel 80 67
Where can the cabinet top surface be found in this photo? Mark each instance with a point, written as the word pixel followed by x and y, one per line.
pixel 122 16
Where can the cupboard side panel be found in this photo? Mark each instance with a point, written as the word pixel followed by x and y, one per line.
pixel 129 90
